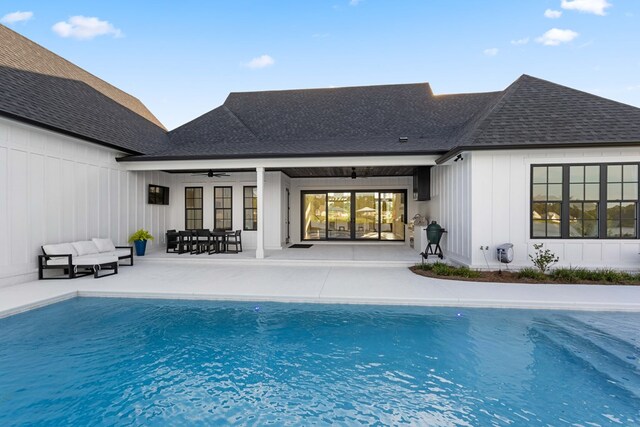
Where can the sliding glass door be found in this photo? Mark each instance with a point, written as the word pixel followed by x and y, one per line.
pixel 353 215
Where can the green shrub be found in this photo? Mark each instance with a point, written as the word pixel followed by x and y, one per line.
pixel 442 269
pixel 531 273
pixel 612 276
pixel 543 258
pixel 569 275
pixel 466 272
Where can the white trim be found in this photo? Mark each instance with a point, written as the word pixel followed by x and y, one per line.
pixel 287 162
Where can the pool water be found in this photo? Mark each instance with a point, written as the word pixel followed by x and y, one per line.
pixel 94 361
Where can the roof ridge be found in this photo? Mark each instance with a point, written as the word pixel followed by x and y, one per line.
pixel 484 117
pixel 427 84
pixel 240 121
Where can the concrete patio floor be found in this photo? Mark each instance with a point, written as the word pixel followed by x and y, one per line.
pixel 329 283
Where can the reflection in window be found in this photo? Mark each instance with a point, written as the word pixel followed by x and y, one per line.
pixel 622 200
pixel 584 195
pixel 250 206
pixel 314 216
pixel 546 213
pixel 222 204
pixel 193 207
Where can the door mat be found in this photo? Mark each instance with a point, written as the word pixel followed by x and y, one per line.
pixel 300 246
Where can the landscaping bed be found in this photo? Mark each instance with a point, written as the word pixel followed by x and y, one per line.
pixel 584 276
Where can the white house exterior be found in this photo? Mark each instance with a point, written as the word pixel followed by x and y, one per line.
pixel 534 163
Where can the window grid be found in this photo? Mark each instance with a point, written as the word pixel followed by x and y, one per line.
pixel 546 196
pixel 250 207
pixel 622 201
pixel 584 197
pixel 158 195
pixel 223 208
pixel 596 201
pixel 193 207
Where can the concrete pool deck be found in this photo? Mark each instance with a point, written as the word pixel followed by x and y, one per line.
pixel 314 283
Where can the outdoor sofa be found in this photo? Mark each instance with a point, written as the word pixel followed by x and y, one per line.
pixel 82 258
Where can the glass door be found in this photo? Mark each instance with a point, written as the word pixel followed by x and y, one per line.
pixel 353 215
pixel 314 216
pixel 392 216
pixel 339 215
pixel 367 216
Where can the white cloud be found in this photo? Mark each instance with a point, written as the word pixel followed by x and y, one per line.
pixel 13 17
pixel 260 62
pixel 555 36
pixel 491 52
pixel 85 28
pixel 355 2
pixel 552 14
pixel 596 7
pixel 520 42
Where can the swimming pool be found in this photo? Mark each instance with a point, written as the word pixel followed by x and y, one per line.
pixel 156 362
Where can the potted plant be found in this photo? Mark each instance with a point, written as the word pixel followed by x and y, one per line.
pixel 139 239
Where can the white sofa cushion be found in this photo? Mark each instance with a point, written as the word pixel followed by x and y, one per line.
pixel 86 247
pixel 104 245
pixel 60 249
pixel 94 259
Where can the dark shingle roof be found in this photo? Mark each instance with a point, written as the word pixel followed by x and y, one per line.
pixel 336 121
pixel 42 88
pixel 533 111
pixel 369 120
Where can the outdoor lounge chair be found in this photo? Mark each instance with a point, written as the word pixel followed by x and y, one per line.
pixel 74 263
pixel 172 241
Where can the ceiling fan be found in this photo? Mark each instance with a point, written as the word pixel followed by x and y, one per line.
pixel 211 174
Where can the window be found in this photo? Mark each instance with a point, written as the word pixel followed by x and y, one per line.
pixel 546 194
pixel 584 197
pixel 222 202
pixel 622 200
pixel 569 201
pixel 193 207
pixel 250 206
pixel 158 195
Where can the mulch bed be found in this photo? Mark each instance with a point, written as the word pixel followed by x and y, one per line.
pixel 509 277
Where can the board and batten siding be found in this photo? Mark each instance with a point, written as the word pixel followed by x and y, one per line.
pixel 501 202
pixel 55 189
pixel 450 206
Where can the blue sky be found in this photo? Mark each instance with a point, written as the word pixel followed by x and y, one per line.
pixel 183 58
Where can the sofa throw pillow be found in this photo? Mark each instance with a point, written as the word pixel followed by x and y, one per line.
pixel 85 247
pixel 104 245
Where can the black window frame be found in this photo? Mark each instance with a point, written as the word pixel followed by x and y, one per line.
pixel 250 209
pixel 230 209
pixel 187 209
pixel 162 197
pixel 602 202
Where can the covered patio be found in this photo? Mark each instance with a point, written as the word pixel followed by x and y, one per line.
pixel 267 201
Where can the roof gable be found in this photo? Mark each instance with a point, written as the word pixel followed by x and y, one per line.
pixel 533 112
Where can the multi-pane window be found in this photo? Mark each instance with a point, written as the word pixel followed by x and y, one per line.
pixel 584 197
pixel 584 201
pixel 622 200
pixel 193 207
pixel 222 200
pixel 546 194
pixel 250 208
pixel 158 195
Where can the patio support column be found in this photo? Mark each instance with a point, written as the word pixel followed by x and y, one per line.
pixel 260 231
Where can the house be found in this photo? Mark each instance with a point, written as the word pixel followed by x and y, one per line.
pixel 535 162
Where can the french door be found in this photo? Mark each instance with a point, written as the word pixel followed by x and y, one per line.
pixel 353 215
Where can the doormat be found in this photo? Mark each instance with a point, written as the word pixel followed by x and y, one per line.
pixel 300 246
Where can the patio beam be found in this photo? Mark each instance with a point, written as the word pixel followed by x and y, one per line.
pixel 275 163
pixel 260 231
